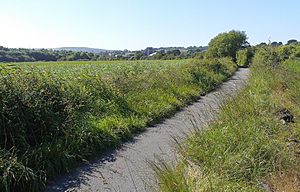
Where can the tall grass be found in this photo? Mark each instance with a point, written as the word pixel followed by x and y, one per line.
pixel 249 143
pixel 54 115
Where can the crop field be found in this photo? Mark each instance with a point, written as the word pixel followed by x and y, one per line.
pixel 56 114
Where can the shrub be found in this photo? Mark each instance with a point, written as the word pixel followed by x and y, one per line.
pixel 267 56
pixel 244 57
pixel 227 44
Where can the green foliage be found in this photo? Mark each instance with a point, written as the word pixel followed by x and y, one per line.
pixel 244 57
pixel 26 55
pixel 291 51
pixel 248 142
pixel 227 44
pixel 292 41
pixel 199 55
pixel 285 52
pixel 208 77
pixel 276 54
pixel 163 53
pixel 55 115
pixel 171 179
pixel 267 56
pixel 294 51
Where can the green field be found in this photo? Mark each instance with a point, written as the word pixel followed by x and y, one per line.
pixel 56 114
pixel 255 142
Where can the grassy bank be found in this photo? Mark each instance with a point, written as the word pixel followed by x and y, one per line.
pixel 54 115
pixel 255 143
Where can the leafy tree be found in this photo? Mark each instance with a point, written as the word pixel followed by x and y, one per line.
pixel 138 55
pixel 227 44
pixel 176 52
pixel 276 43
pixel 262 44
pixel 149 50
pixel 199 55
pixel 292 41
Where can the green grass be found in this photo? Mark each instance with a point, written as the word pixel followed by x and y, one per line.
pixel 57 114
pixel 248 144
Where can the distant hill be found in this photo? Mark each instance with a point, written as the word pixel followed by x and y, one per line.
pixel 82 49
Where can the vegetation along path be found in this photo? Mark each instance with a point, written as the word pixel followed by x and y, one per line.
pixel 129 168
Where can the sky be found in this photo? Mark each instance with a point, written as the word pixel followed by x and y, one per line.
pixel 137 24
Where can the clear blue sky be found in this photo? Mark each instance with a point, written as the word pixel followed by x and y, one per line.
pixel 137 24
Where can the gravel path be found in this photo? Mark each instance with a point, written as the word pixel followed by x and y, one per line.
pixel 127 169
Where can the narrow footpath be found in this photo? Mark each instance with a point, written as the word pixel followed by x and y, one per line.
pixel 128 169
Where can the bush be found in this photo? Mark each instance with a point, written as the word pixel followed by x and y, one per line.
pixel 227 44
pixel 244 57
pixel 296 52
pixel 266 56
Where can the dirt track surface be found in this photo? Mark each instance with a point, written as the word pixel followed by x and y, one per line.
pixel 127 169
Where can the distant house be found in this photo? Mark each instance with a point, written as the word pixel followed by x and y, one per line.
pixel 152 54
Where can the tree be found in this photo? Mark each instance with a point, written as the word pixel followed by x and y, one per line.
pixel 227 44
pixel 262 44
pixel 276 43
pixel 176 52
pixel 138 55
pixel 292 41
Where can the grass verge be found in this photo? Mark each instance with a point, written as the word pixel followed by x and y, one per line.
pixel 254 146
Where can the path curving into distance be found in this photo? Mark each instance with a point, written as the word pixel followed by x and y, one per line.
pixel 127 169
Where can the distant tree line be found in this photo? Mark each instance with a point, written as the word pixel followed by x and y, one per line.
pixel 275 43
pixel 224 44
pixel 25 55
pixel 163 53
